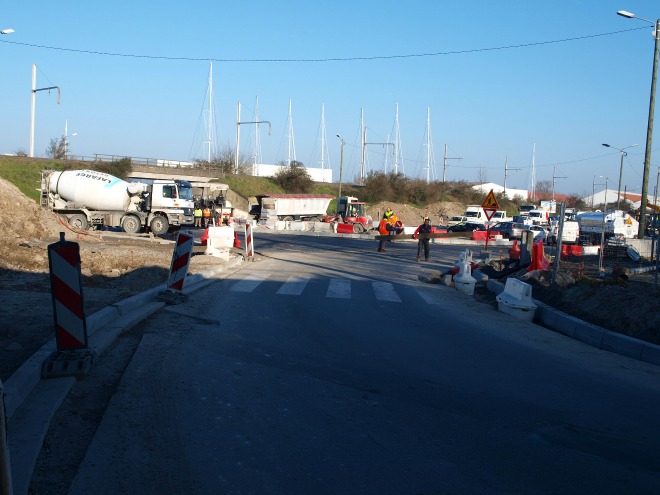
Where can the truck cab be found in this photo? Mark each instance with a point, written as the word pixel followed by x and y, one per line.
pixel 475 214
pixel 539 217
pixel 501 216
pixel 170 204
pixel 353 211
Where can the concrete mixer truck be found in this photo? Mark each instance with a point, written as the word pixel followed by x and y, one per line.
pixel 86 198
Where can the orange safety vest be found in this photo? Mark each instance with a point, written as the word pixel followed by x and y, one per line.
pixel 206 212
pixel 382 226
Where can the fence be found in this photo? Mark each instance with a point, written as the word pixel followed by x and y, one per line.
pixel 635 259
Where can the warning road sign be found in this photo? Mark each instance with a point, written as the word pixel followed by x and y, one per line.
pixel 490 203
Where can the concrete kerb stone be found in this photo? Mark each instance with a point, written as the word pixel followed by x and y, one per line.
pixel 589 333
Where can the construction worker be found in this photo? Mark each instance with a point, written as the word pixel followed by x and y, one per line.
pixel 389 225
pixel 206 214
pixel 424 228
pixel 198 215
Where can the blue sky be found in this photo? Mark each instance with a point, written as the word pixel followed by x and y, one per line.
pixel 499 77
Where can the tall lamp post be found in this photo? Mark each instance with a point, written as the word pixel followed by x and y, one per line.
pixel 602 232
pixel 649 128
pixel 623 153
pixel 341 162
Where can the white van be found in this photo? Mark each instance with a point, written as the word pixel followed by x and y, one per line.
pixel 475 214
pixel 456 220
pixel 539 217
pixel 570 234
pixel 500 216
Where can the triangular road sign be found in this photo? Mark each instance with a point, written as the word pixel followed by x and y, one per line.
pixel 490 202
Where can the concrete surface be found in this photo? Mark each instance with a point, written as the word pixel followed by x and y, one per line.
pixel 32 402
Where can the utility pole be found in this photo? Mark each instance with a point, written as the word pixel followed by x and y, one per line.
pixel 506 162
pixel 554 176
pixel 341 162
pixel 238 132
pixel 34 102
pixel 593 192
pixel 444 167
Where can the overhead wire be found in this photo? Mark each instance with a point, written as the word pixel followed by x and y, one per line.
pixel 320 60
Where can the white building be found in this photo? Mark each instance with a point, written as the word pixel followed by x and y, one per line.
pixel 265 170
pixel 611 195
pixel 497 189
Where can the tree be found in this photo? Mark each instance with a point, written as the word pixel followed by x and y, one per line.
pixel 544 190
pixel 294 179
pixel 482 175
pixel 57 148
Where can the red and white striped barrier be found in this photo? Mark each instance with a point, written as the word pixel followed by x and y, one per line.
pixel 249 246
pixel 66 288
pixel 180 260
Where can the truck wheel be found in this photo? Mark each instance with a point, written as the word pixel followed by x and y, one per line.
pixel 358 228
pixel 159 225
pixel 131 224
pixel 79 222
pixel 288 219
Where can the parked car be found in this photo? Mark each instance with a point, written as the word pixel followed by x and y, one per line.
pixel 539 231
pixel 466 227
pixel 455 220
pixel 508 230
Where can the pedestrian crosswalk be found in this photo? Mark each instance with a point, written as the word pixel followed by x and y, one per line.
pixel 331 287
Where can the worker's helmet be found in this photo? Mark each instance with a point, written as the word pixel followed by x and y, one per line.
pixel 427 219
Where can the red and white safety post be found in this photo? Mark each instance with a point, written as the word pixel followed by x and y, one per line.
pixel 249 246
pixel 180 260
pixel 66 288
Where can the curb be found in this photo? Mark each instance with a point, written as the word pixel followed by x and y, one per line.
pixel 588 333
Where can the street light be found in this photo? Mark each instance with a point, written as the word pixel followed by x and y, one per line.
pixel 602 231
pixel 649 128
pixel 341 162
pixel 623 153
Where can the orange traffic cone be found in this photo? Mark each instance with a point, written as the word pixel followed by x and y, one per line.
pixel 237 241
pixel 514 252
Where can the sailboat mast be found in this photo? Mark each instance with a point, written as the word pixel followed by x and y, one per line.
pixel 238 136
pixel 292 142
pixel 322 134
pixel 428 145
pixel 363 139
pixel 396 141
pixel 533 188
pixel 210 123
pixel 256 136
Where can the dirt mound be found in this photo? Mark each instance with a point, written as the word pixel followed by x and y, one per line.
pixel 113 268
pixel 412 216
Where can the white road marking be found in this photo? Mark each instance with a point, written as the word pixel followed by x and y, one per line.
pixel 385 292
pixel 294 286
pixel 249 283
pixel 339 288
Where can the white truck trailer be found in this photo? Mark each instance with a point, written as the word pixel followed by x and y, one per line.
pixel 288 207
pixel 88 198
pixel 615 223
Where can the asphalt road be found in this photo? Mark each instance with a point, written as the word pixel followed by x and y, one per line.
pixel 326 367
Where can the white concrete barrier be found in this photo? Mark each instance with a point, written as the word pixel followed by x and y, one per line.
pixel 220 241
pixel 516 300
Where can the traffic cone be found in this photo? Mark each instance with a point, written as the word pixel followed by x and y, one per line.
pixel 237 241
pixel 514 252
